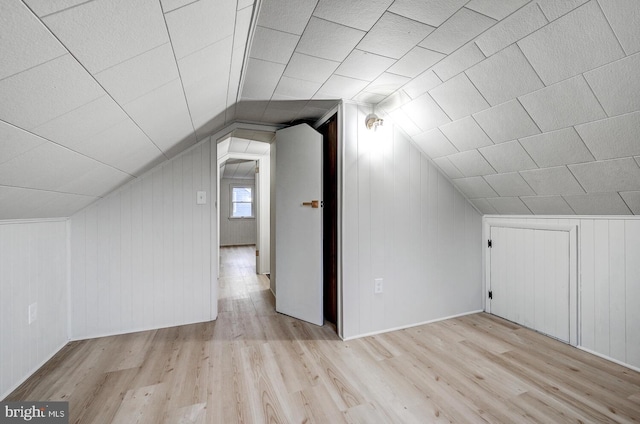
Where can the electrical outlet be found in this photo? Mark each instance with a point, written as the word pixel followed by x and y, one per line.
pixel 33 312
pixel 201 198
pixel 377 285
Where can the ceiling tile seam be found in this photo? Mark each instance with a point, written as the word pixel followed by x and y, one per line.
pixel 151 91
pixel 527 112
pixel 535 71
pixel 576 178
pixel 596 97
pixel 177 8
pixel 244 57
pixel 545 15
pixel 606 18
pixel 428 93
pixel 625 202
pixel 51 191
pixel 62 146
pixel 489 163
pixel 62 10
pixel 482 129
pixel 568 204
pixel 33 67
pixel 94 79
pixel 478 90
pixel 130 58
pixel 582 140
pixel 527 182
pixel 287 32
pixel 527 153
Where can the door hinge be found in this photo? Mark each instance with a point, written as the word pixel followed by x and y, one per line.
pixel 257 169
pixel 489 244
pixel 257 253
pixel 490 294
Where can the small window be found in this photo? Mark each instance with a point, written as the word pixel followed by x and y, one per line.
pixel 241 202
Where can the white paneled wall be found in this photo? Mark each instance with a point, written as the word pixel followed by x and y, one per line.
pixel 608 282
pixel 234 232
pixel 142 255
pixel 33 268
pixel 404 222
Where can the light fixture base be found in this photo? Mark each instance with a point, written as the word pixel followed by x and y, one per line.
pixel 372 121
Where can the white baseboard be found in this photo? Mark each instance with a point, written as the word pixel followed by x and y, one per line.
pixel 608 358
pixel 373 333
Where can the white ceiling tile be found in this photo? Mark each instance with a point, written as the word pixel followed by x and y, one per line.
pixel 200 24
pixel 574 49
pixel 98 181
pixel 632 199
pixel 617 85
pixel 272 45
pixel 46 91
pixel 458 97
pixel 415 62
pixel 386 84
pixel 169 5
pixel 295 88
pixel 278 14
pixel 340 87
pixel 505 122
pixel 457 31
pixel 504 76
pixel 14 142
pixel 310 68
pixel 371 98
pixel 484 206
pixel 448 168
pixel 557 180
pixel 474 187
pixel 562 105
pixel 510 184
pixel 261 79
pixel 508 157
pixel 553 9
pixel 609 175
pixel 466 134
pixel 425 113
pixel 471 163
pixel 511 29
pixel 279 116
pixel 401 118
pixel 25 41
pixel 258 147
pixel 394 35
pixel 24 203
pixel 76 126
pixel 394 101
pixel 47 7
pixel 364 65
pixel 598 204
pixel 238 145
pixel 496 9
pixel 328 40
pixel 509 206
pixel 458 61
pixel 614 137
pixel 139 75
pixel 421 84
pixel 562 147
pixel 360 14
pixel 624 17
pixel 431 12
pixel 434 144
pixel 547 205
pixel 113 26
pixel 163 115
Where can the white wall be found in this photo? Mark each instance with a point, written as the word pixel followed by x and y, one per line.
pixel 235 231
pixel 402 221
pixel 608 281
pixel 33 268
pixel 142 256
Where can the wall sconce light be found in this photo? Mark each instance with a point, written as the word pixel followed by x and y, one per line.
pixel 373 122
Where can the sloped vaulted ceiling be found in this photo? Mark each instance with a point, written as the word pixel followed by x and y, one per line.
pixel 529 106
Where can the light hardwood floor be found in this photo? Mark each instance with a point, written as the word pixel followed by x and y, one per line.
pixel 253 365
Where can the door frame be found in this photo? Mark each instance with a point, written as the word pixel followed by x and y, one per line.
pixel 572 229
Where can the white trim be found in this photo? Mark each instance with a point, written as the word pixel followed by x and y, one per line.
pixel 404 327
pixel 33 371
pixel 607 217
pixel 69 308
pixel 32 220
pixel 608 358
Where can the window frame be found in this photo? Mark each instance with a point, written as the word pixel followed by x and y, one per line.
pixel 231 201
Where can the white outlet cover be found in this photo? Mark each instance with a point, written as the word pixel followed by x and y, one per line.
pixel 201 198
pixel 33 312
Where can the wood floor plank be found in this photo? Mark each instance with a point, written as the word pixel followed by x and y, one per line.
pixel 254 365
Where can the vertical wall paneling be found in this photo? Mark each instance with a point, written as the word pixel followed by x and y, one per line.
pixel 33 268
pixel 142 255
pixel 404 222
pixel 607 279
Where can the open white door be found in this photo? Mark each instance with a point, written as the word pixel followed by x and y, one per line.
pixel 299 223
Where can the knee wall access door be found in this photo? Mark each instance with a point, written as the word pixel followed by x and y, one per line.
pixel 530 273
